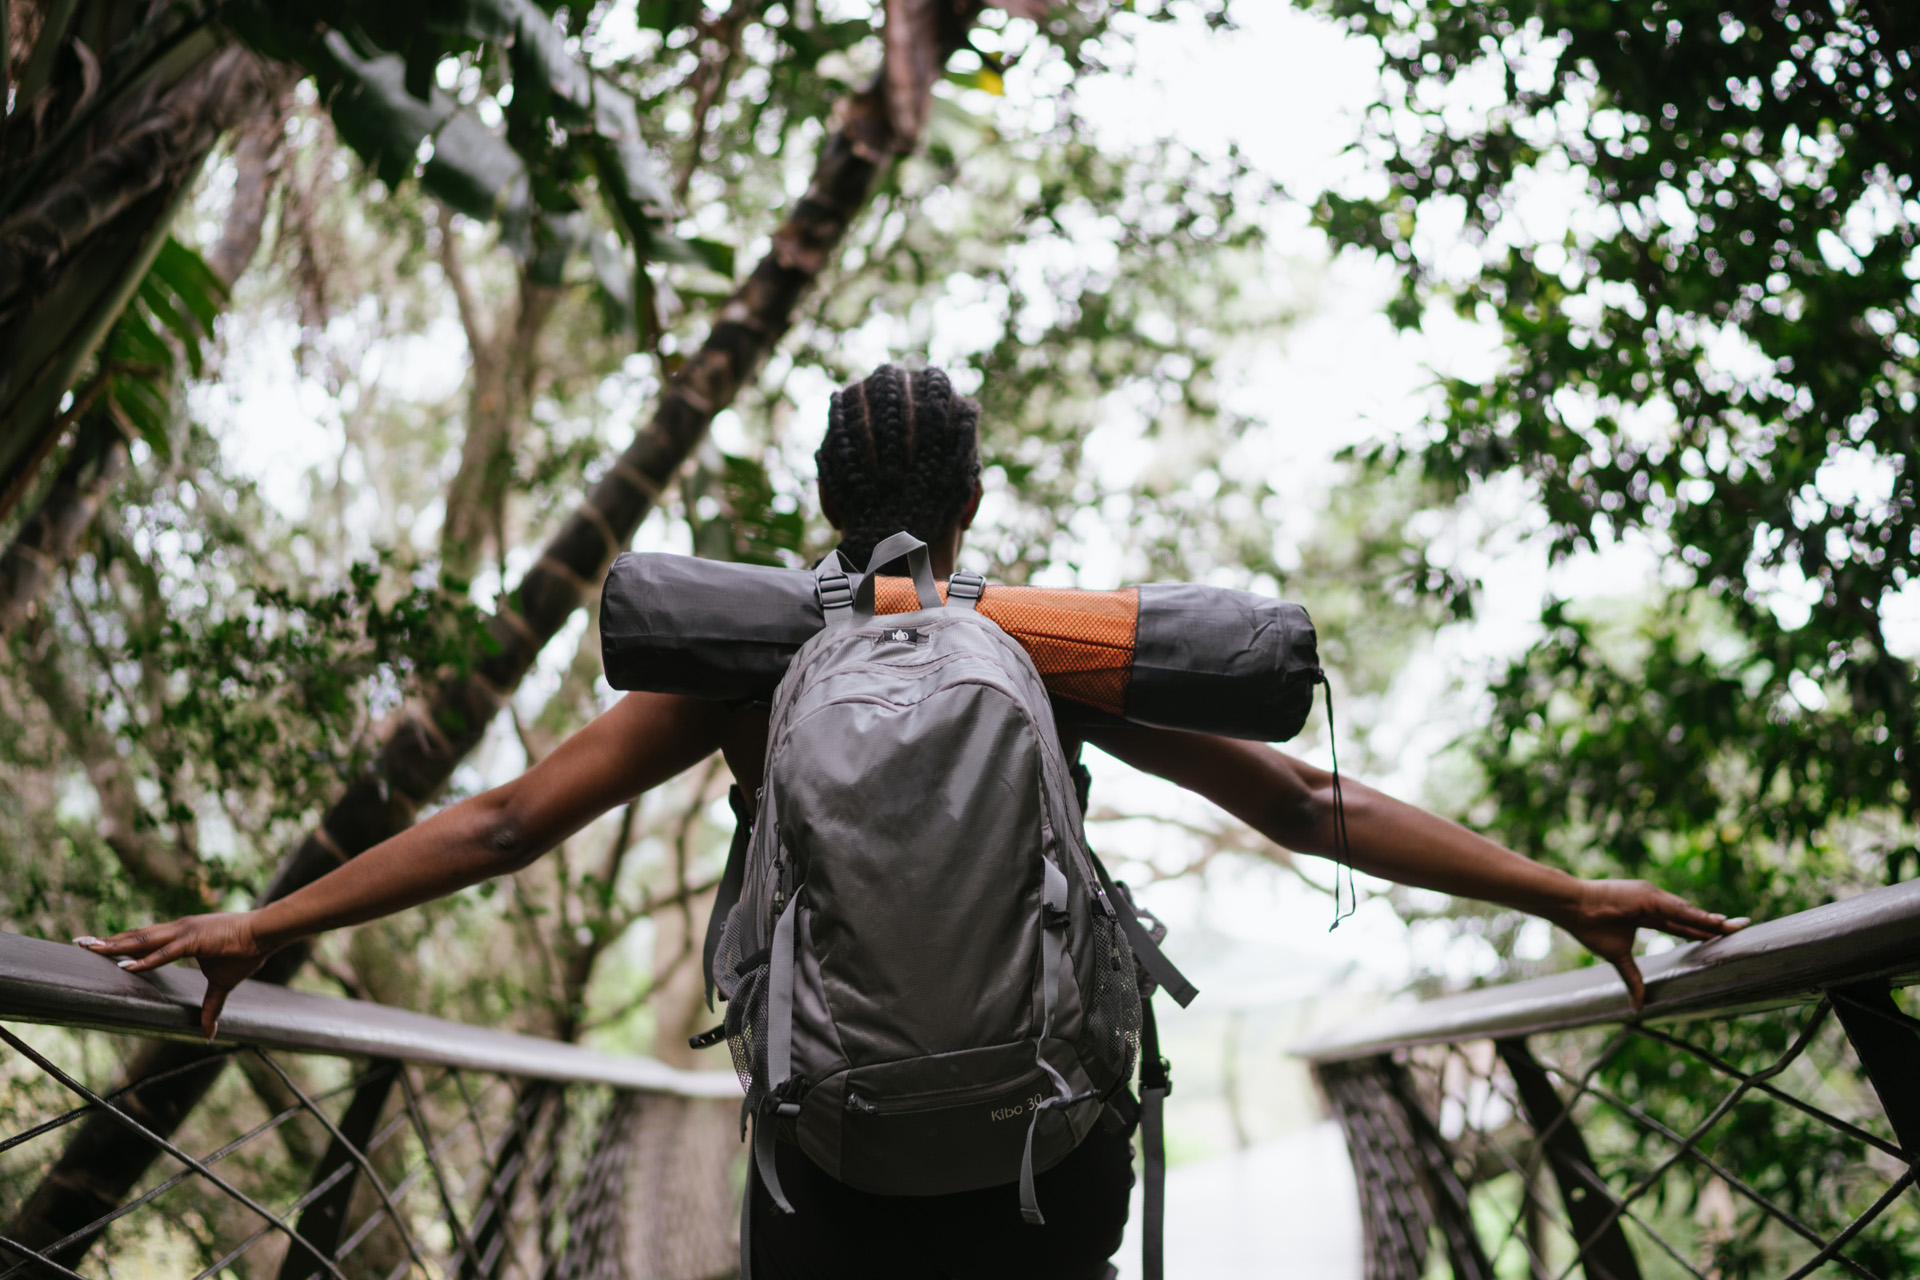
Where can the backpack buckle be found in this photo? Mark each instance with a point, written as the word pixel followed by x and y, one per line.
pixel 784 1098
pixel 964 589
pixel 836 593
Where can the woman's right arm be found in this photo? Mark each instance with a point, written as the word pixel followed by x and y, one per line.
pixel 644 740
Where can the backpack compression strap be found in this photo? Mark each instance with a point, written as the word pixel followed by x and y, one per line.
pixel 1156 1073
pixel 779 1054
pixel 1053 950
pixel 1156 1082
pixel 1151 957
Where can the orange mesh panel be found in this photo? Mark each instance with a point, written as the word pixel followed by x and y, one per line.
pixel 1081 641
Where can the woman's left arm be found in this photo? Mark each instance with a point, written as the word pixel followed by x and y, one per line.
pixel 1292 804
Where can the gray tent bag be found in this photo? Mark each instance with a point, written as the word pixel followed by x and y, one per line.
pixel 931 983
pixel 1176 655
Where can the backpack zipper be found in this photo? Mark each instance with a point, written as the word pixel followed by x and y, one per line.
pixel 938 1101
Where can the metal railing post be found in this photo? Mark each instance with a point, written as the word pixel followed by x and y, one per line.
pixel 1889 1048
pixel 1585 1194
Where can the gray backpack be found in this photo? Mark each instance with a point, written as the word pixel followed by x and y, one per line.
pixel 932 984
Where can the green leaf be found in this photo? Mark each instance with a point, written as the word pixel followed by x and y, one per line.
pixel 486 20
pixel 985 78
pixel 135 341
pixel 192 281
pixel 613 279
pixel 663 246
pixel 666 15
pixel 542 66
pixel 628 164
pixel 158 301
pixel 375 113
pixel 474 170
pixel 145 405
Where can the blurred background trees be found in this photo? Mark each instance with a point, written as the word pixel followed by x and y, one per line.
pixel 318 322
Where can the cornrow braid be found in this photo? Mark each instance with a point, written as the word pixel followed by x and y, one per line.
pixel 901 452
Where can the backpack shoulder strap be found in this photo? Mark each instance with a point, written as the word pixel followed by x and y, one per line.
pixel 730 882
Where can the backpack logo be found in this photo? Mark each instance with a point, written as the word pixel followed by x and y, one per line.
pixel 1020 1109
pixel 901 635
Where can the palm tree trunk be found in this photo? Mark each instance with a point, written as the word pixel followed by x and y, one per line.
pixel 72 254
pixel 50 536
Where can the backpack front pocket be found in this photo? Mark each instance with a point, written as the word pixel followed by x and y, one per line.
pixel 947 1123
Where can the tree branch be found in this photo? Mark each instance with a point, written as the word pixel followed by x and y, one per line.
pixel 479 341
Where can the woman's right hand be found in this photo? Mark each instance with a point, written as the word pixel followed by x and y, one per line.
pixel 226 944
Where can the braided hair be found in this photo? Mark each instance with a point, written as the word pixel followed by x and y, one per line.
pixel 901 452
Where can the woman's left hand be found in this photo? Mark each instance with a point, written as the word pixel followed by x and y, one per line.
pixel 1608 913
pixel 226 945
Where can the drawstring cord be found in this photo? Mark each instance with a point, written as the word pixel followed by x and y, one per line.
pixel 1342 847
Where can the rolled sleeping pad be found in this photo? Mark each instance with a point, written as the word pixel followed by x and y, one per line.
pixel 1175 655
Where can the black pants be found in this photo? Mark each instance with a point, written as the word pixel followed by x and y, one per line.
pixel 838 1233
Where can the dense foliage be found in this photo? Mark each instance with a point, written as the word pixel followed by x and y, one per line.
pixel 1692 227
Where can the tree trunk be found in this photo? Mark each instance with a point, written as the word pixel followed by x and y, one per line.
pixel 419 756
pixel 73 252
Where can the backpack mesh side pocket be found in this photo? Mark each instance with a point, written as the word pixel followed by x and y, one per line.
pixel 747 1030
pixel 1113 1012
pixel 727 955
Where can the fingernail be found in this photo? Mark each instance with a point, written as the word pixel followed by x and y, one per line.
pixel 88 941
pixel 124 964
pixel 1742 921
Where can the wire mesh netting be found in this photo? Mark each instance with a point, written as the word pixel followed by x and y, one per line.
pixel 1767 1145
pixel 299 1166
